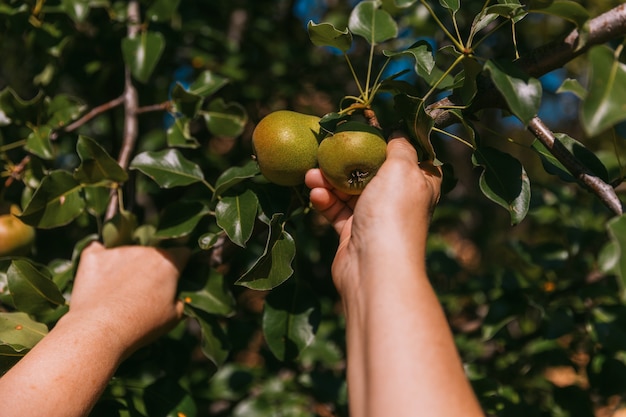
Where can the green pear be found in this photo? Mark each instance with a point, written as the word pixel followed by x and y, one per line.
pixel 285 144
pixel 349 159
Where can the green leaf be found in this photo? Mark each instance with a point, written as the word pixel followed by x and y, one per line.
pixel 605 103
pixel 274 265
pixel 15 110
pixel 142 53
pixel 236 215
pixel 77 10
pixel 56 202
pixel 225 119
pixel 207 83
pixel 422 52
pixel 325 34
pixel 580 152
pixel 96 164
pixel 291 316
pixel 19 332
pixel 96 199
pixel 180 219
pixel 168 168
pixel 573 86
pixel 504 181
pixel 208 291
pixel 38 142
pixel 234 175
pixel 452 5
pixel 178 134
pixel 32 289
pixel 186 103
pixel 617 232
pixel 62 109
pixel 372 23
pixel 521 92
pixel 162 10
pixel 214 344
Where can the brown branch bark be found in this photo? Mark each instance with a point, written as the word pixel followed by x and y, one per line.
pixel 90 115
pixel 540 61
pixel 131 104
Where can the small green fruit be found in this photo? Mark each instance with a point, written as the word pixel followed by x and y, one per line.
pixel 285 143
pixel 16 238
pixel 350 159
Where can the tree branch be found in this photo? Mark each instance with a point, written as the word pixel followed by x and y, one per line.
pixel 88 116
pixel 604 191
pixel 131 104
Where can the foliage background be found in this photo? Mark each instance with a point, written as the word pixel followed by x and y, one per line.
pixel 537 308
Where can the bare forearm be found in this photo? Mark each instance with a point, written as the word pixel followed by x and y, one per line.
pixel 402 357
pixel 64 375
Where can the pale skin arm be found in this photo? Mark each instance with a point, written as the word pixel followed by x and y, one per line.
pixel 401 355
pixel 122 299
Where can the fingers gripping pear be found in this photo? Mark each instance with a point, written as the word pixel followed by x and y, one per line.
pixel 285 144
pixel 350 159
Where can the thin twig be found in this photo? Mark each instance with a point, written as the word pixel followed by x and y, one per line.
pixel 166 105
pixel 88 116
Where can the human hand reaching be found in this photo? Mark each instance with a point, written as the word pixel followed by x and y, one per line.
pixel 393 210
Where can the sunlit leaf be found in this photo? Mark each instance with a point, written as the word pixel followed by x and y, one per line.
pixel 78 10
pixel 236 215
pixel 120 229
pixel 573 86
pixel 273 266
pixel 521 92
pixel 372 23
pixel 19 331
pixel 184 102
pixel 418 123
pixel 234 175
pixel 96 164
pixel 325 34
pixel 225 119
pixel 290 319
pixel 168 168
pixel 32 290
pixel 207 83
pixel 56 202
pixel 605 103
pixel 504 181
pixel 422 52
pixel 38 142
pixel 142 53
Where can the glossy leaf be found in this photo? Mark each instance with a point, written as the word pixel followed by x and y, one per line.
pixel 573 86
pixel 96 164
pixel 422 52
pixel 62 109
pixel 38 142
pixel 578 150
pixel 207 83
pixel 208 291
pixel 96 199
pixel 452 5
pixel 521 92
pixel 180 219
pixel 290 319
pixel 372 23
pixel 162 10
pixel 325 34
pixel 504 181
pixel 168 168
pixel 185 102
pixel 77 10
pixel 214 344
pixel 234 175
pixel 20 332
pixel 617 232
pixel 604 105
pixel 225 119
pixel 142 53
pixel 178 134
pixel 32 290
pixel 274 265
pixel 56 202
pixel 236 215
pixel 14 109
